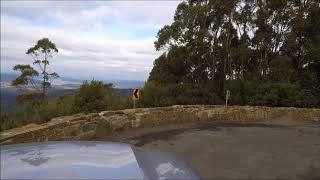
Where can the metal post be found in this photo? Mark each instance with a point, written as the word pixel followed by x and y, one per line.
pixel 227 97
pixel 134 104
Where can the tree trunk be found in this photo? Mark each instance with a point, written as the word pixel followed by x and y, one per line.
pixel 44 98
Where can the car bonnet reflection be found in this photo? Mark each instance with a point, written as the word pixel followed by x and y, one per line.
pixel 69 160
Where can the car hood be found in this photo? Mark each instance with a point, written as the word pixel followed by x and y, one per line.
pixel 89 160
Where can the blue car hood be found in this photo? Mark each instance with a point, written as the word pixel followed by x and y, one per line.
pixel 89 160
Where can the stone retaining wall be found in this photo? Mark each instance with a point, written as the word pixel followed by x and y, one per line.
pixel 88 126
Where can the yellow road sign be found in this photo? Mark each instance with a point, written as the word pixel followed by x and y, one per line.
pixel 136 94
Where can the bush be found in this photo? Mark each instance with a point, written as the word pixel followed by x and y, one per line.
pixel 91 97
pixel 61 107
pixel 154 94
pixel 38 113
pixel 95 96
pixel 266 93
pixel 196 94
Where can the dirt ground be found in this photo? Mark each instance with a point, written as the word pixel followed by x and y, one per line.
pixel 278 149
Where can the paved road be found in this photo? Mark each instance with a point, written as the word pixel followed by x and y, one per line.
pixel 237 151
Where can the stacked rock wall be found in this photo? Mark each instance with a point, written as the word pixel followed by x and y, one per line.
pixel 88 126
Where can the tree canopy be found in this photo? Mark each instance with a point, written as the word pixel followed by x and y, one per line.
pixel 266 52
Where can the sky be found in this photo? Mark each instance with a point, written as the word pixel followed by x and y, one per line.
pixel 96 39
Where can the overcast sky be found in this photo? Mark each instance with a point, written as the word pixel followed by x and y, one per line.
pixel 104 40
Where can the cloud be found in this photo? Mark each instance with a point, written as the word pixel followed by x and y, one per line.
pixel 106 40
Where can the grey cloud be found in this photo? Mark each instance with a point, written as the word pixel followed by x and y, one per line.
pixel 84 53
pixel 85 14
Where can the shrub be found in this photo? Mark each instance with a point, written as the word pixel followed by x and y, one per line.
pixel 38 113
pixel 154 94
pixel 92 96
pixel 95 96
pixel 266 93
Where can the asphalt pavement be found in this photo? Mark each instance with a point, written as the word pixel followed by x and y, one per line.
pixel 264 150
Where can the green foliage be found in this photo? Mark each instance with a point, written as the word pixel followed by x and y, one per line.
pixel 30 98
pixel 93 96
pixel 209 44
pixel 195 94
pixel 43 45
pixel 27 73
pixel 39 113
pixel 267 93
pixel 153 95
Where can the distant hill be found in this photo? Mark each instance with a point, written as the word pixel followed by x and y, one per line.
pixel 125 84
pixel 8 77
pixel 8 96
pixel 68 82
pixel 62 86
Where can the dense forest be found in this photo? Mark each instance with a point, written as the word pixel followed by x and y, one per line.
pixel 266 52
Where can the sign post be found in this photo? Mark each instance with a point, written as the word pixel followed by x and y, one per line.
pixel 135 96
pixel 227 97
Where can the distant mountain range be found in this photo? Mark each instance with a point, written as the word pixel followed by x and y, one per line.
pixel 69 83
pixel 60 87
